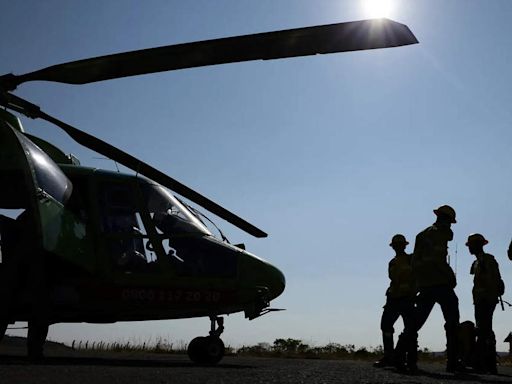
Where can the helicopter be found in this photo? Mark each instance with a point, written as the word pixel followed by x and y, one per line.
pixel 98 246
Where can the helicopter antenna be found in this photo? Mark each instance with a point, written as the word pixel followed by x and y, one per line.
pixel 106 158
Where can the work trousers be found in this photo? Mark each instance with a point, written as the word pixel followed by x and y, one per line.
pixel 394 308
pixel 445 296
pixel 485 341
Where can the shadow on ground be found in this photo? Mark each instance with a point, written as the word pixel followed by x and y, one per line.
pixel 166 362
pixel 462 376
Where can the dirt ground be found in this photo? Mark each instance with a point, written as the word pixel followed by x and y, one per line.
pixel 62 366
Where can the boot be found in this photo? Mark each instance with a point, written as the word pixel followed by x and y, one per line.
pixel 453 364
pixel 412 355
pixel 387 360
pixel 490 358
pixel 400 353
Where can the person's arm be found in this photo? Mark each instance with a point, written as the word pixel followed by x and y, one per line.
pixel 391 270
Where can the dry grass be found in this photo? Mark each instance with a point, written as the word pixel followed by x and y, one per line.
pixel 283 348
pixel 160 345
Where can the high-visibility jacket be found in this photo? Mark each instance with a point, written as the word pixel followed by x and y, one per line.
pixel 401 276
pixel 487 283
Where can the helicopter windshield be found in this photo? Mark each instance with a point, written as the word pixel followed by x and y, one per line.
pixel 169 214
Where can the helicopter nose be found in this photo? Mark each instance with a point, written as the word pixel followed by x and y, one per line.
pixel 277 283
pixel 259 273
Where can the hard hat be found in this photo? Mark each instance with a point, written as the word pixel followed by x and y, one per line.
pixel 476 238
pixel 398 239
pixel 446 210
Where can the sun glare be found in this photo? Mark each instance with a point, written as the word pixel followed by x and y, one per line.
pixel 377 8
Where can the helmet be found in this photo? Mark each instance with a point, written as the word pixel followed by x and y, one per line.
pixel 398 239
pixel 447 211
pixel 476 238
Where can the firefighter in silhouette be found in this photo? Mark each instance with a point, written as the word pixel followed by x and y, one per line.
pixel 399 302
pixel 487 288
pixel 436 281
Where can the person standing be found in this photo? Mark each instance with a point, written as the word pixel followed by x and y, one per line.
pixel 435 279
pixel 487 288
pixel 399 300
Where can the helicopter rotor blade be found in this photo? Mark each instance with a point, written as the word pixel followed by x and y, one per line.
pixel 33 111
pixel 341 37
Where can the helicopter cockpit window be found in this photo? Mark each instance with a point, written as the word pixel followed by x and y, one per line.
pixel 169 215
pixel 123 228
pixel 178 227
pixel 49 176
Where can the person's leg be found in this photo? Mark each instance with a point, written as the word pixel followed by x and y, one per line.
pixel 389 317
pixel 486 342
pixel 480 338
pixel 411 334
pixel 39 307
pixel 449 303
pixel 424 303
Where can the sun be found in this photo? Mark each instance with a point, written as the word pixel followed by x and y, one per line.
pixel 377 8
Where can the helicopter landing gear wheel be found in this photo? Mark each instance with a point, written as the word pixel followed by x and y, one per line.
pixel 213 349
pixel 195 348
pixel 208 350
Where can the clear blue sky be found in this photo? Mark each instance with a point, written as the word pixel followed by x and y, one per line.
pixel 331 155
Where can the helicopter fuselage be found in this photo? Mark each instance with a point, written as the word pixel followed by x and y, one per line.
pixel 119 247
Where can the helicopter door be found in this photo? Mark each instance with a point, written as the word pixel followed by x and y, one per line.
pixel 30 180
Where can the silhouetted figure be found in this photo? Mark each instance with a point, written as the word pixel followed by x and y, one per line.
pixel 487 288
pixel 24 274
pixel 435 279
pixel 399 302
pixel 509 251
pixel 23 270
